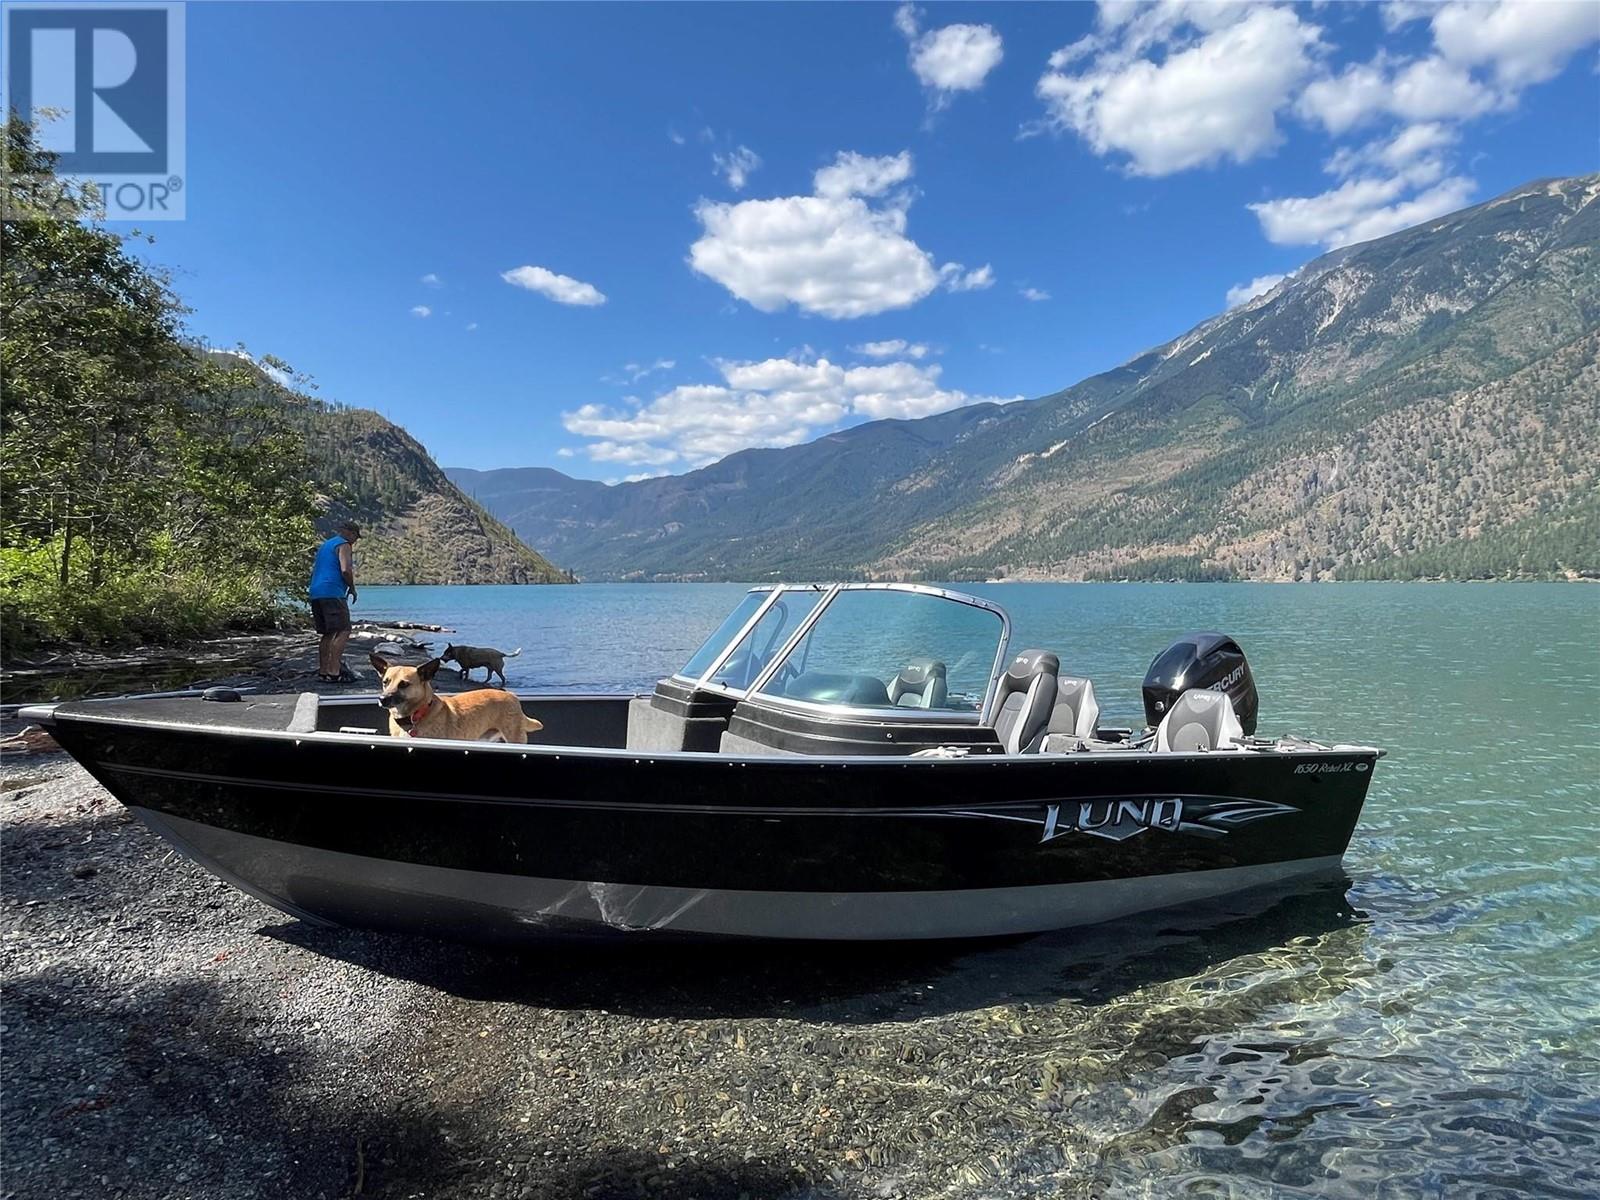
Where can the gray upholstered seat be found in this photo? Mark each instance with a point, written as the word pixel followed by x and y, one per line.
pixel 1024 699
pixel 920 684
pixel 1199 719
pixel 1076 712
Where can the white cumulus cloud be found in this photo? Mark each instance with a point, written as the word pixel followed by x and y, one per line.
pixel 431 280
pixel 957 278
pixel 1259 286
pixel 954 58
pixel 852 174
pixel 770 402
pixel 1417 149
pixel 1521 42
pixel 892 348
pixel 1359 210
pixel 736 166
pixel 1484 55
pixel 563 289
pixel 1427 89
pixel 1173 85
pixel 421 310
pixel 637 371
pixel 1176 86
pixel 841 252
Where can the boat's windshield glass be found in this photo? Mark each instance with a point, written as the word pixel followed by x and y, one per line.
pixel 725 633
pixel 876 648
pixel 755 650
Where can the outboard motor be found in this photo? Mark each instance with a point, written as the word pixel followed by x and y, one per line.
pixel 1201 660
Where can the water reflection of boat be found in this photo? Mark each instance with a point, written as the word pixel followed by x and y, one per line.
pixel 850 762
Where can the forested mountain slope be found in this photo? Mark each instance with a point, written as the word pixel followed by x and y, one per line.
pixel 417 526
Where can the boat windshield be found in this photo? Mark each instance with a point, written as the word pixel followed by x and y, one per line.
pixel 895 648
pixel 729 660
pixel 725 633
pixel 745 662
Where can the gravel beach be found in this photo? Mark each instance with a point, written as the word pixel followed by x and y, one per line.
pixel 278 660
pixel 167 1036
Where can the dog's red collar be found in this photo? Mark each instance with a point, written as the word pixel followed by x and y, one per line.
pixel 410 723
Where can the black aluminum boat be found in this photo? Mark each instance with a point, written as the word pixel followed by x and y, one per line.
pixel 858 761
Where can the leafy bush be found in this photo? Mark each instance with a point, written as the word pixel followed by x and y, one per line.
pixel 139 604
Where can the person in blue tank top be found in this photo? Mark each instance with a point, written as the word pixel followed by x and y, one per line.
pixel 333 578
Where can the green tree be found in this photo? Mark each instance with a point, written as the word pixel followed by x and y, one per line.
pixel 149 490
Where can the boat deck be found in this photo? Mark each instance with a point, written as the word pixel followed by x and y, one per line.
pixel 273 712
pixel 597 722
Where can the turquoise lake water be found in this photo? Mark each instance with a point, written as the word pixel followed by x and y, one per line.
pixel 1429 1027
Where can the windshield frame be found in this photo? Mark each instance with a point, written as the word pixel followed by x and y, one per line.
pixel 706 682
pixel 920 716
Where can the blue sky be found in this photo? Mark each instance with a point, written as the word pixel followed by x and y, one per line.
pixel 626 239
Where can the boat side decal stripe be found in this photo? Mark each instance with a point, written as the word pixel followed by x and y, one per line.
pixel 1005 811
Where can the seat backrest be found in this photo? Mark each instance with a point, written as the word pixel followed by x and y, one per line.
pixel 1200 719
pixel 1077 712
pixel 1023 700
pixel 920 684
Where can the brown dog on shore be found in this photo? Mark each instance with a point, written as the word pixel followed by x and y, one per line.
pixel 416 710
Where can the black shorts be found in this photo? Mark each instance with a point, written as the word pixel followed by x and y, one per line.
pixel 330 616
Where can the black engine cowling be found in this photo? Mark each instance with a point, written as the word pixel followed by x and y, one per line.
pixel 1201 660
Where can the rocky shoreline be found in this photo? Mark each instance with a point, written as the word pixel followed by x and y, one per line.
pixel 276 660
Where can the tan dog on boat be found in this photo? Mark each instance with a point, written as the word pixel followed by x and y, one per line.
pixel 416 710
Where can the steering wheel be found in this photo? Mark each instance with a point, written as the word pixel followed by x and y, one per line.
pixel 784 674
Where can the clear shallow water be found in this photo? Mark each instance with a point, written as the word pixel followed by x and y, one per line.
pixel 1430 1025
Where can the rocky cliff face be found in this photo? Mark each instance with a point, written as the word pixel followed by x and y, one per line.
pixel 418 527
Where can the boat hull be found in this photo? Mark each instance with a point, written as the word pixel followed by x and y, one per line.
pixel 358 891
pixel 510 842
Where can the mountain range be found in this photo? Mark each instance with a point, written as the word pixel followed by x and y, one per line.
pixel 1426 404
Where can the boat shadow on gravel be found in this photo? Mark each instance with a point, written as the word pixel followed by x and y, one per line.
pixel 186 1088
pixel 850 983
